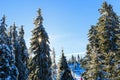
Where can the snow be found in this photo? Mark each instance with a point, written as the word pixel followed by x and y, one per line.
pixel 76 71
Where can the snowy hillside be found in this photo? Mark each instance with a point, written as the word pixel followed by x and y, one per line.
pixel 76 70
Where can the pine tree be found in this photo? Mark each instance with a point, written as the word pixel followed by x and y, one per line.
pixel 78 58
pixel 72 59
pixel 22 43
pixel 108 28
pixel 40 66
pixel 54 66
pixel 92 61
pixel 91 35
pixel 14 37
pixel 64 72
pixel 17 49
pixel 3 30
pixel 23 56
pixel 8 70
pixel 104 47
pixel 53 59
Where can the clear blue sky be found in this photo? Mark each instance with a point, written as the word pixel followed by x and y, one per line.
pixel 66 21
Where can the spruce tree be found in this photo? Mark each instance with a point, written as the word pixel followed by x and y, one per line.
pixel 72 59
pixel 104 46
pixel 53 58
pixel 3 30
pixel 17 47
pixel 40 65
pixel 22 43
pixel 92 61
pixel 64 72
pixel 8 70
pixel 54 66
pixel 78 58
pixel 23 56
pixel 108 29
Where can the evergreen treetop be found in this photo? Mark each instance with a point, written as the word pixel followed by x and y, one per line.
pixel 63 62
pixel 108 28
pixel 3 34
pixel 40 65
pixel 64 72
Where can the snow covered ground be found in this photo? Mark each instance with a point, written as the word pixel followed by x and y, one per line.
pixel 76 71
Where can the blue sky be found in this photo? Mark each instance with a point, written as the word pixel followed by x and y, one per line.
pixel 66 21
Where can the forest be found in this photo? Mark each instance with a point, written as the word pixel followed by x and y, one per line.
pixel 101 62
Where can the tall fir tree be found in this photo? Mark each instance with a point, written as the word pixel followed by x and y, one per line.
pixel 3 30
pixel 72 59
pixel 106 51
pixel 54 66
pixel 64 72
pixel 22 43
pixel 109 31
pixel 17 47
pixel 108 27
pixel 53 58
pixel 14 37
pixel 23 56
pixel 8 70
pixel 92 61
pixel 78 58
pixel 40 65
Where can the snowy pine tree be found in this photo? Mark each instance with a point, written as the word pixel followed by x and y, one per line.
pixel 64 72
pixel 23 56
pixel 40 65
pixel 54 66
pixel 108 27
pixel 14 37
pixel 72 60
pixel 18 52
pixel 3 30
pixel 92 61
pixel 22 43
pixel 109 31
pixel 53 59
pixel 8 70
pixel 78 58
pixel 104 47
